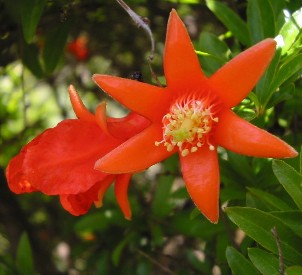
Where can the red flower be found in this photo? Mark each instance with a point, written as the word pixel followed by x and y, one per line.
pixel 60 161
pixel 78 48
pixel 192 116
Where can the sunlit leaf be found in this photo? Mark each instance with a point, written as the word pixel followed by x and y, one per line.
pixel 264 261
pixel 291 30
pixel 290 179
pixel 239 264
pixel 293 270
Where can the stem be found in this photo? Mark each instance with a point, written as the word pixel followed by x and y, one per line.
pixel 281 259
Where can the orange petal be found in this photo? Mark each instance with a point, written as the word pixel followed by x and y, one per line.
pixel 236 79
pixel 120 189
pixel 101 119
pixel 136 154
pixel 240 136
pixel 201 174
pixel 180 60
pixel 79 108
pixel 145 99
pixel 105 184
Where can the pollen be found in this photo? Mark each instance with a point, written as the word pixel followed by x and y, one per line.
pixel 188 126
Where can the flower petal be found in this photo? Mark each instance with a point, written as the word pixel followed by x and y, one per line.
pixel 236 79
pixel 120 189
pixel 137 96
pixel 128 126
pixel 180 60
pixel 240 136
pixel 136 154
pixel 78 106
pixel 61 160
pixel 201 175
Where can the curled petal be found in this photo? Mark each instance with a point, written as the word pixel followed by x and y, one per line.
pixel 135 154
pixel 180 60
pixel 201 175
pixel 240 136
pixel 120 189
pixel 101 119
pixel 237 78
pixel 103 187
pixel 79 108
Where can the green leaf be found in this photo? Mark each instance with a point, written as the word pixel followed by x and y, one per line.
pixel 31 11
pixel 161 205
pixel 264 89
pixel 288 69
pixel 217 52
pixel 258 224
pixel 24 260
pixel 292 219
pixel 269 199
pixel 290 179
pixel 291 30
pixel 260 18
pixel 264 261
pixel 238 263
pixel 30 59
pixel 54 46
pixel 230 19
pixel 293 270
pixel 117 252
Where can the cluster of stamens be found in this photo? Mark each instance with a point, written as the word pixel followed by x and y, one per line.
pixel 187 126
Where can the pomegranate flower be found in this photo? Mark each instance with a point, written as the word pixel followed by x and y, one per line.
pixel 60 161
pixel 192 116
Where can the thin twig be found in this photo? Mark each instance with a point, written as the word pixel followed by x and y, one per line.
pixel 154 75
pixel 165 269
pixel 281 259
pixel 140 22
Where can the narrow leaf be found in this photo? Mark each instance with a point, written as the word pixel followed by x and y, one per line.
pixel 258 224
pixel 31 11
pixel 238 263
pixel 24 260
pixel 290 179
pixel 269 199
pixel 230 19
pixel 54 46
pixel 292 219
pixel 293 270
pixel 264 261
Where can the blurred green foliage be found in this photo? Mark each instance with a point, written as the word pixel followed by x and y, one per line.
pixel 166 235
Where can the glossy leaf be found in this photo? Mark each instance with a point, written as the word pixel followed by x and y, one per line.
pixel 31 11
pixel 31 59
pixel 290 30
pixel 290 179
pixel 265 262
pixel 258 224
pixel 24 260
pixel 230 19
pixel 272 201
pixel 293 270
pixel 292 219
pixel 54 46
pixel 291 67
pixel 260 18
pixel 238 263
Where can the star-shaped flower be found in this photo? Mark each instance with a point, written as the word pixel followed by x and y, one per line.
pixel 192 116
pixel 60 161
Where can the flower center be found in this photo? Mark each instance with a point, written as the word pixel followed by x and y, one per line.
pixel 188 125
